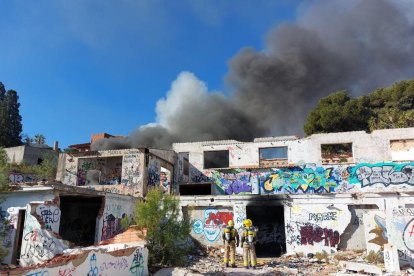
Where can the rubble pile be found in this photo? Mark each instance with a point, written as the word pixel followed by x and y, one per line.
pixel 209 262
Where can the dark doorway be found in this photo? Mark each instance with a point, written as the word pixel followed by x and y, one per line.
pixel 78 219
pixel 19 236
pixel 271 241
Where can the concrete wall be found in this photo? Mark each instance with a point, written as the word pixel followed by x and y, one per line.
pixel 315 223
pixel 10 205
pixel 27 154
pixel 372 148
pixel 132 260
pixel 116 208
pixel 40 241
pixel 117 171
pixel 208 222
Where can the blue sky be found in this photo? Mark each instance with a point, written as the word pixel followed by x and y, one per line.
pixel 83 67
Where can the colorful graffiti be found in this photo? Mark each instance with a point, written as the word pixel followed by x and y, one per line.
pixel 137 265
pixel 17 178
pixel 237 182
pixel 309 178
pixel 127 261
pixel 212 223
pixel 383 173
pixel 305 180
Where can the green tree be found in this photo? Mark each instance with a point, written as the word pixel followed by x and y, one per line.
pixel 159 214
pixel 47 169
pixel 27 140
pixel 4 171
pixel 338 112
pixel 10 119
pixel 39 139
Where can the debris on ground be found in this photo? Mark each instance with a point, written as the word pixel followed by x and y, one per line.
pixel 210 262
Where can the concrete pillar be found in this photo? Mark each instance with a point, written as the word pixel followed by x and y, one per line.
pixel 391 260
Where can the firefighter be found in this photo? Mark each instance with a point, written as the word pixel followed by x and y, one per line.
pixel 248 240
pixel 231 241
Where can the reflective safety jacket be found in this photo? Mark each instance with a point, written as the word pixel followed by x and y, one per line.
pixel 249 235
pixel 230 234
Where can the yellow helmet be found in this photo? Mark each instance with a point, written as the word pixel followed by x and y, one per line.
pixel 230 223
pixel 248 223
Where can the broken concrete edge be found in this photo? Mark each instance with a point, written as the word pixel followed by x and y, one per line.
pixel 78 256
pixel 361 267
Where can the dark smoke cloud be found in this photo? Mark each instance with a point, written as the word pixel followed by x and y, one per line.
pixel 356 45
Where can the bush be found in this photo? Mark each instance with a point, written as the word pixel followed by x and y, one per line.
pixel 375 257
pixel 159 214
pixel 321 255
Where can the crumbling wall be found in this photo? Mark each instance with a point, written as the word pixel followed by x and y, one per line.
pixel 116 208
pixel 129 261
pixel 115 171
pixel 10 206
pixel 40 240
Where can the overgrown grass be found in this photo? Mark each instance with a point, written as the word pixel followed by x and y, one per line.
pixel 375 257
pixel 321 255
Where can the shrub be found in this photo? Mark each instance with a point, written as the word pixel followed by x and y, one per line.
pixel 374 257
pixel 159 214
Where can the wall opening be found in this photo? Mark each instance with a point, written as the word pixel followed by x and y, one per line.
pixel 100 171
pixel 271 241
pixel 337 153
pixel 78 218
pixel 353 237
pixel 195 189
pixel 273 157
pixel 402 150
pixel 218 159
pixel 19 237
pixel 165 180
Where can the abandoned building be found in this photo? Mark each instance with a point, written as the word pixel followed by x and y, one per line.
pixel 32 154
pixel 350 190
pixel 52 219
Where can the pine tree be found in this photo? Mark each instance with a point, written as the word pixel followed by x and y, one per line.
pixel 3 116
pixel 10 119
pixel 15 120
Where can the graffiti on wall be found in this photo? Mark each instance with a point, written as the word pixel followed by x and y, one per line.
pixel 16 178
pixel 301 180
pixel 316 228
pixel 130 261
pixel 137 265
pixel 37 246
pixel 233 182
pixel 310 178
pixel 154 168
pixel 50 215
pixel 112 217
pixel 131 170
pixel 311 233
pixel 211 224
pixel 7 221
pixel 383 173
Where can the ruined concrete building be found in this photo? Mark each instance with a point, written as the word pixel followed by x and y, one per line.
pixel 325 192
